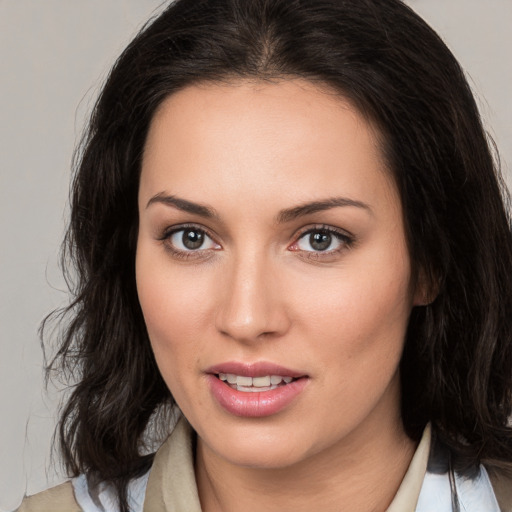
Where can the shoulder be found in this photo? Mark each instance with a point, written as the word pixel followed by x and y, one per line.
pixel 57 499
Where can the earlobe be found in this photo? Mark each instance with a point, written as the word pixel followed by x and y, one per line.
pixel 426 289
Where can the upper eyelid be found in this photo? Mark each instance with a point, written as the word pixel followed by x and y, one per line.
pixel 323 227
pixel 346 239
pixel 170 230
pixel 167 234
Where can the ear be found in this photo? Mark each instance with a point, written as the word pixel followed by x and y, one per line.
pixel 426 288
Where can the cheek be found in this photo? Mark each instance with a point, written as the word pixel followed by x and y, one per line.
pixel 175 309
pixel 359 299
pixel 356 329
pixel 359 314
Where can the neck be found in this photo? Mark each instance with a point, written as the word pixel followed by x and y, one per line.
pixel 362 473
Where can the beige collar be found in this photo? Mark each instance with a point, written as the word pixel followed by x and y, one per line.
pixel 409 491
pixel 172 484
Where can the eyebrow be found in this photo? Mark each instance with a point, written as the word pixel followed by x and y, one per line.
pixel 286 215
pixel 184 205
pixel 318 206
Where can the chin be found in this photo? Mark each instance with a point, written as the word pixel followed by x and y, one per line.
pixel 257 445
pixel 275 455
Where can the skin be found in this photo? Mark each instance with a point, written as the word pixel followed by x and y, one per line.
pixel 258 290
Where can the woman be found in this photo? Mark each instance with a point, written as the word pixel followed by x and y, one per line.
pixel 287 223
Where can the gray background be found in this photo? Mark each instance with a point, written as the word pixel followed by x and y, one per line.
pixel 54 54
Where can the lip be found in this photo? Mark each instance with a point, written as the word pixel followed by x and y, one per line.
pixel 255 404
pixel 258 369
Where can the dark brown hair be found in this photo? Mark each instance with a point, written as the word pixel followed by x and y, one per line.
pixel 456 368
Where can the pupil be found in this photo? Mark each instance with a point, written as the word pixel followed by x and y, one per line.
pixel 192 239
pixel 320 241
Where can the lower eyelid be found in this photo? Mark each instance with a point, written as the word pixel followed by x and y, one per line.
pixel 207 241
pixel 345 239
pixel 326 256
pixel 190 255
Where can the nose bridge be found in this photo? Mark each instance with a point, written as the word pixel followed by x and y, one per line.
pixel 251 304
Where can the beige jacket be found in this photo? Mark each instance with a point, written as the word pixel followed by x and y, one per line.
pixel 169 490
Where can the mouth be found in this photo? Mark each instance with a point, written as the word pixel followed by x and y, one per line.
pixel 255 389
pixel 248 384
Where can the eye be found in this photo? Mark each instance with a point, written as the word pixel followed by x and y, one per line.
pixel 190 239
pixel 322 240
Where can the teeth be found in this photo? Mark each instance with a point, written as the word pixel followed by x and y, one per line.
pixel 254 389
pixel 260 382
pixel 254 383
pixel 243 381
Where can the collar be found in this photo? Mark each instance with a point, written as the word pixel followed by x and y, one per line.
pixel 172 484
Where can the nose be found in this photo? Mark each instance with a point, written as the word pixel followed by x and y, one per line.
pixel 252 302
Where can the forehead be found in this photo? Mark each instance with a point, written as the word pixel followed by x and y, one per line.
pixel 291 136
pixel 302 107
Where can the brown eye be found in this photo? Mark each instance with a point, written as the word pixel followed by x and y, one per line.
pixel 320 241
pixel 190 239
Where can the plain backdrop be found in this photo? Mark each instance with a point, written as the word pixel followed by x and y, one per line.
pixel 54 55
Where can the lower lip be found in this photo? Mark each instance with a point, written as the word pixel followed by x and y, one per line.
pixel 255 404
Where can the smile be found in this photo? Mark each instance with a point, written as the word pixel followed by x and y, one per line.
pixel 254 384
pixel 254 390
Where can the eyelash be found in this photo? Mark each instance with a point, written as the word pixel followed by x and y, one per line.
pixel 190 254
pixel 346 242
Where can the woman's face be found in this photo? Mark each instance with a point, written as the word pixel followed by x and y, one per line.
pixel 271 249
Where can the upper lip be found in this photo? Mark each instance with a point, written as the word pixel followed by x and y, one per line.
pixel 257 369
